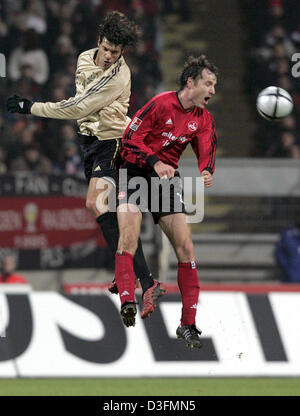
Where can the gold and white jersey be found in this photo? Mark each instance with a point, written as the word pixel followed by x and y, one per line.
pixel 101 102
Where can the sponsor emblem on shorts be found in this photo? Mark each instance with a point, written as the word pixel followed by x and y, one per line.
pixel 135 124
pixel 121 195
pixel 193 265
pixel 97 168
pixel 193 125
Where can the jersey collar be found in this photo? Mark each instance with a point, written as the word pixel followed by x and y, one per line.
pixel 178 99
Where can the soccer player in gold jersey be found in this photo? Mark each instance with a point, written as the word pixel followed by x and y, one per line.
pixel 103 84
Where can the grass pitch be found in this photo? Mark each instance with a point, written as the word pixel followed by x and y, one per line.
pixel 151 387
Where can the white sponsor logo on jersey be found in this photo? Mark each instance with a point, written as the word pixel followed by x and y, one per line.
pixel 193 125
pixel 172 138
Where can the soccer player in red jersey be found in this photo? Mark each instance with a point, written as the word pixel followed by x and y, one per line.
pixel 151 147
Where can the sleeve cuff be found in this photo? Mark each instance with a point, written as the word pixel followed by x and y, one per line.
pixel 151 160
pixel 208 170
pixel 30 109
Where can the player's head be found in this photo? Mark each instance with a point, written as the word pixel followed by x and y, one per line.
pixel 198 80
pixel 8 265
pixel 116 32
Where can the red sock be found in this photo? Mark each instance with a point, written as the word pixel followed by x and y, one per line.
pixel 188 283
pixel 125 277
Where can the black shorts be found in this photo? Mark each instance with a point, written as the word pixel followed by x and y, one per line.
pixel 100 157
pixel 145 189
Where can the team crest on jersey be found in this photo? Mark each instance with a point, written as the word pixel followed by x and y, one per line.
pixel 91 78
pixel 135 124
pixel 193 125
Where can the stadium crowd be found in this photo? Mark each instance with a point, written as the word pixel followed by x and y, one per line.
pixel 273 38
pixel 41 41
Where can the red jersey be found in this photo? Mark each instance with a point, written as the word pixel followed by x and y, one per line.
pixel 162 129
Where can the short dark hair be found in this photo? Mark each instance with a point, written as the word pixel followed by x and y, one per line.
pixel 193 67
pixel 118 29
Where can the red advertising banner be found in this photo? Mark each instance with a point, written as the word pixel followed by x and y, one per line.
pixel 44 223
pixel 40 222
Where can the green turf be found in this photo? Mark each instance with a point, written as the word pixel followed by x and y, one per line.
pixel 152 387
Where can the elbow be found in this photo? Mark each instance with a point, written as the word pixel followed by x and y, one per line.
pixel 81 113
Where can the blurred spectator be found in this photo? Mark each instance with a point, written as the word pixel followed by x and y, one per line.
pixel 289 144
pixel 274 36
pixel 34 16
pixel 148 62
pixel 8 271
pixel 3 165
pixel 276 10
pixel 69 161
pixel 290 123
pixel 287 253
pixel 5 132
pixel 3 30
pixel 63 81
pixel 32 160
pixel 182 8
pixel 62 52
pixel 29 60
pixel 285 145
pixel 26 137
pixel 295 36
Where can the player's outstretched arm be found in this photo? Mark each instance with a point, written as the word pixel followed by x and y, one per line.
pixel 101 93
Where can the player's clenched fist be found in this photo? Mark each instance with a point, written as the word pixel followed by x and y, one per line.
pixel 207 178
pixel 163 170
pixel 16 104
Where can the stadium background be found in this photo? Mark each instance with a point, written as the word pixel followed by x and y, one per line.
pixel 44 224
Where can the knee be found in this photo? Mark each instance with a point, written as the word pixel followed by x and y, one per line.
pixel 90 203
pixel 94 207
pixel 185 251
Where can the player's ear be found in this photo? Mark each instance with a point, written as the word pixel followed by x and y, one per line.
pixel 190 82
pixel 99 42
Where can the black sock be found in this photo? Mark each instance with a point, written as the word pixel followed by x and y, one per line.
pixel 109 226
pixel 141 268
